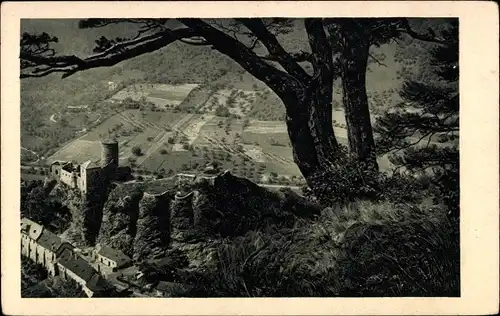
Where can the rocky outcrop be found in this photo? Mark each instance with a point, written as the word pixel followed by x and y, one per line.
pixel 144 225
pixel 227 205
pixel 86 212
pixel 119 220
pixel 181 217
pixel 153 226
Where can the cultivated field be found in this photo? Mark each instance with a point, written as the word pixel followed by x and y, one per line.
pixel 161 95
pixel 175 142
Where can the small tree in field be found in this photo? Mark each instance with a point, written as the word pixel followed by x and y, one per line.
pixel 137 151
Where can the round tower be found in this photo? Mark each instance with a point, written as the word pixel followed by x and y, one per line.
pixel 109 153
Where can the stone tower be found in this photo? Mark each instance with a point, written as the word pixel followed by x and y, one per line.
pixel 109 158
pixel 109 153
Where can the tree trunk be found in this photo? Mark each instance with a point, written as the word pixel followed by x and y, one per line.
pixel 353 72
pixel 309 123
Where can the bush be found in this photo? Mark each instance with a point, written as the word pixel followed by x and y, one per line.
pixel 352 181
pixel 443 138
pixel 137 151
pixel 163 151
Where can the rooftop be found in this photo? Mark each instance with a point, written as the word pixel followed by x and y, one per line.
pixel 109 141
pixel 89 164
pixel 76 264
pixel 98 284
pixel 50 241
pixel 31 229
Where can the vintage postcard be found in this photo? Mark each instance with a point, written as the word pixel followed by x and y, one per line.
pixel 250 158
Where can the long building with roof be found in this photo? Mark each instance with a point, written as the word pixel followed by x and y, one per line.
pixel 59 258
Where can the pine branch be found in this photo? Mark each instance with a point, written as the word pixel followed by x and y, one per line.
pixel 428 37
pixel 111 56
pixel 376 60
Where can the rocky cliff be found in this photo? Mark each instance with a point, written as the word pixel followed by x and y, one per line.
pixel 119 220
pixel 144 225
pixel 153 226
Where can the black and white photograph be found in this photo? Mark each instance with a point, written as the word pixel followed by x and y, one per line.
pixel 240 157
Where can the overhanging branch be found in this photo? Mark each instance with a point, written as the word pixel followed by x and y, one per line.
pixel 111 56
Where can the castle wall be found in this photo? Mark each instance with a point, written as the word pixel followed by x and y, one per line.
pixel 49 260
pixel 90 179
pixel 67 178
pixel 40 255
pixel 56 170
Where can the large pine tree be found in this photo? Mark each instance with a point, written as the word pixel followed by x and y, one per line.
pixel 423 132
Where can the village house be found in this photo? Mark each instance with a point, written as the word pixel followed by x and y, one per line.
pixel 110 260
pixel 72 266
pixel 51 245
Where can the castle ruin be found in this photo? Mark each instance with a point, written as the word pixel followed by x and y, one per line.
pixel 90 176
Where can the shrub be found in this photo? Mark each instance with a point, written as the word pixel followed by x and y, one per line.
pixel 163 151
pixel 443 138
pixel 352 181
pixel 137 151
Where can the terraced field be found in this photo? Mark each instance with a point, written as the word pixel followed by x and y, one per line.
pixel 161 95
pixel 131 128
